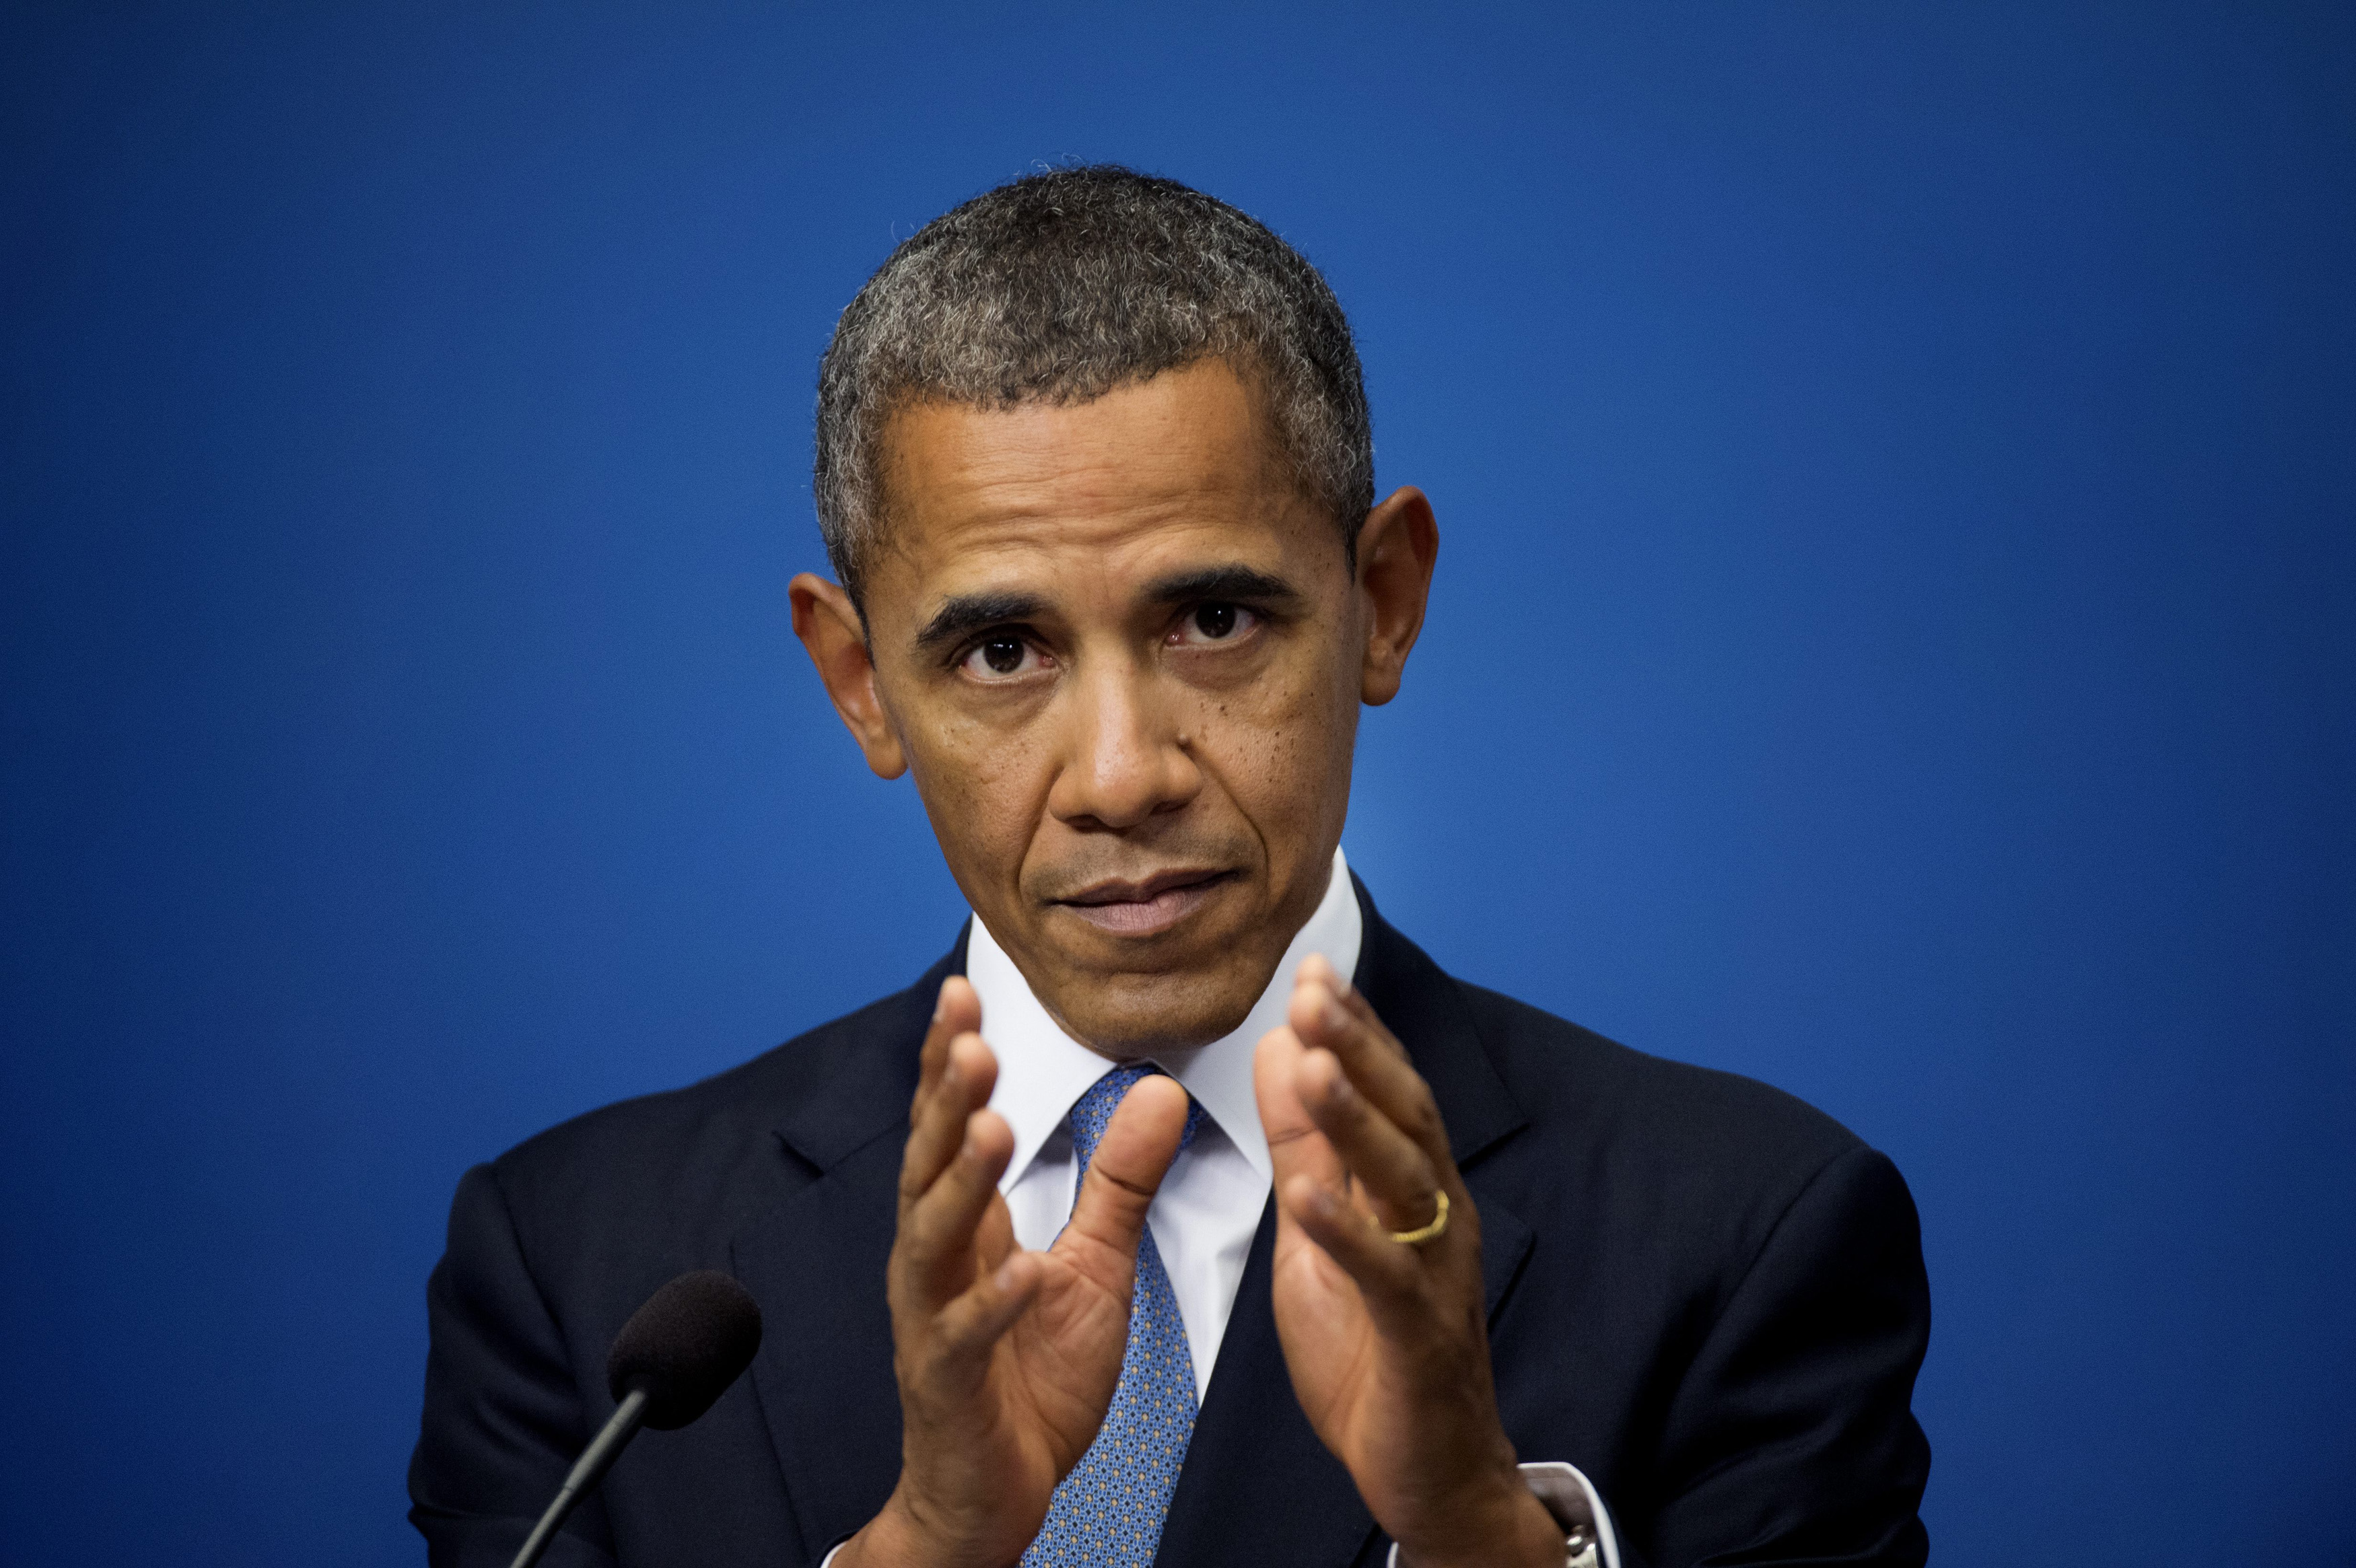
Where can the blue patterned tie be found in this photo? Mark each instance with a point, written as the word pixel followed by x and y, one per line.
pixel 1107 1512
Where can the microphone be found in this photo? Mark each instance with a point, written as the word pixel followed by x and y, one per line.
pixel 675 1356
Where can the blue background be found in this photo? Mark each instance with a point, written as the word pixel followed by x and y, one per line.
pixel 1893 638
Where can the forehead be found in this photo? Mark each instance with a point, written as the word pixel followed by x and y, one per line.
pixel 1124 487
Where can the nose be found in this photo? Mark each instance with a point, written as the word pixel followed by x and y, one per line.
pixel 1125 759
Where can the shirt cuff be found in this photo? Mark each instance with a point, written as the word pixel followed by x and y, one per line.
pixel 1571 1498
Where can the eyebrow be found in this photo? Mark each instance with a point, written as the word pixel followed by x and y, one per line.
pixel 1232 580
pixel 966 613
pixel 962 615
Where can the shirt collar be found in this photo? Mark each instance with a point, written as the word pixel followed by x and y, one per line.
pixel 1042 1069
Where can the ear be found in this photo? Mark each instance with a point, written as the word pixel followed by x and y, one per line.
pixel 830 628
pixel 1398 547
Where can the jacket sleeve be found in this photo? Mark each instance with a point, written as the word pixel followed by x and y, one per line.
pixel 504 1418
pixel 1791 1439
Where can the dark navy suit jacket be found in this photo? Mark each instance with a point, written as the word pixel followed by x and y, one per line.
pixel 1703 1293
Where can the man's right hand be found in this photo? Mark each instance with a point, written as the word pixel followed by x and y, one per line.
pixel 1006 1359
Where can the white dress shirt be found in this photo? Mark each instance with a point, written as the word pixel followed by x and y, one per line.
pixel 1210 1201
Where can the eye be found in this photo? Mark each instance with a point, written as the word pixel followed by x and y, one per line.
pixel 1002 655
pixel 1214 622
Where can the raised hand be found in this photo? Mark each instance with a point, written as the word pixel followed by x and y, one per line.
pixel 1387 1340
pixel 1006 1359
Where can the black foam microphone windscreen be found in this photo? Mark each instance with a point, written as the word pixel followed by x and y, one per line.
pixel 692 1339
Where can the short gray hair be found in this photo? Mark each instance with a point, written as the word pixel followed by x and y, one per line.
pixel 1060 287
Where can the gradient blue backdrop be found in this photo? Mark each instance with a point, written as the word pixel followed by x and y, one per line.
pixel 1893 638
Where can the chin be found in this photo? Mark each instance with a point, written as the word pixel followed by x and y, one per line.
pixel 1133 1013
pixel 1184 986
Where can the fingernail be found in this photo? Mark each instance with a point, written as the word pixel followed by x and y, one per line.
pixel 1004 1277
pixel 948 1075
pixel 1334 1016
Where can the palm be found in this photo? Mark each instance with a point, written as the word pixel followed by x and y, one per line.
pixel 1345 1384
pixel 1051 1378
pixel 1329 1338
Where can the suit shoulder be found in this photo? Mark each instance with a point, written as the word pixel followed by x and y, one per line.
pixel 716 1122
pixel 1648 1109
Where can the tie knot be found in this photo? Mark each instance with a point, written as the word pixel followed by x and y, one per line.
pixel 1092 1112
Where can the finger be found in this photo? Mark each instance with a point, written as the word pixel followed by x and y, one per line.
pixel 1297 1150
pixel 1296 1146
pixel 993 1238
pixel 1319 969
pixel 1396 1176
pixel 962 1085
pixel 935 1245
pixel 967 1327
pixel 956 1010
pixel 1389 1278
pixel 1131 1157
pixel 1377 1064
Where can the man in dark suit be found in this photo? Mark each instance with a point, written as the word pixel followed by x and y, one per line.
pixel 1185 1212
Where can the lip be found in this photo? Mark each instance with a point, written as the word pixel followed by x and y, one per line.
pixel 1146 908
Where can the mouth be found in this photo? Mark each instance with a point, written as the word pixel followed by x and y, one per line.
pixel 1148 908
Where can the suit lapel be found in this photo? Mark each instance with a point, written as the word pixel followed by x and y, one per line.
pixel 1426 1010
pixel 816 1265
pixel 1257 1486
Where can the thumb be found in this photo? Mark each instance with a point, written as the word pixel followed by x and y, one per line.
pixel 1131 1157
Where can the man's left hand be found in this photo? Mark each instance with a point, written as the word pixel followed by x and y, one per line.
pixel 1387 1340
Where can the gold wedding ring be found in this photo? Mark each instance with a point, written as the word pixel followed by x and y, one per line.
pixel 1423 1233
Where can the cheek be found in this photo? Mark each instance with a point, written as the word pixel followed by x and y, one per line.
pixel 1281 748
pixel 983 789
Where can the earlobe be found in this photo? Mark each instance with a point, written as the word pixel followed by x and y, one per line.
pixel 1397 549
pixel 835 637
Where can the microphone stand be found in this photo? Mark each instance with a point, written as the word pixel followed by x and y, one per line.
pixel 587 1471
